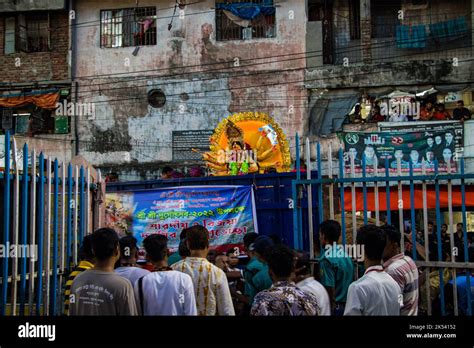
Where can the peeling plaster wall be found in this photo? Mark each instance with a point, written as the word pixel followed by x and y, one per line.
pixel 133 132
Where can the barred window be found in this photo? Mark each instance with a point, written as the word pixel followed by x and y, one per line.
pixel 231 27
pixel 128 27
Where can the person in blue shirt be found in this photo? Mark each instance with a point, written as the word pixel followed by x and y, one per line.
pixel 256 275
pixel 462 290
pixel 336 272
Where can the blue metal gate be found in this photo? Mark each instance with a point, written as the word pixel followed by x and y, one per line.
pixel 46 209
pixel 339 182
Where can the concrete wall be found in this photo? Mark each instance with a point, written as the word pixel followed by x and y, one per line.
pixel 133 133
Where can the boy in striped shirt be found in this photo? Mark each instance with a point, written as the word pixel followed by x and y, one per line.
pixel 87 262
pixel 402 269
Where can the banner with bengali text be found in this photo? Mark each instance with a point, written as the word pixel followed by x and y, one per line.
pixel 228 212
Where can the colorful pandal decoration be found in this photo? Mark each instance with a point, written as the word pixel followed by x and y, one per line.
pixel 248 142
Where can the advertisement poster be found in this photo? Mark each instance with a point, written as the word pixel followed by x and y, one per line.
pixel 228 212
pixel 415 147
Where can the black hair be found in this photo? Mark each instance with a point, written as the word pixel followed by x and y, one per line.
pixel 430 223
pixel 392 234
pixel 249 238
pixel 331 230
pixel 275 238
pixel 280 260
pixel 183 249
pixel 128 245
pixel 156 247
pixel 104 243
pixel 373 239
pixel 167 170
pixel 85 251
pixel 197 238
pixel 183 233
pixel 302 262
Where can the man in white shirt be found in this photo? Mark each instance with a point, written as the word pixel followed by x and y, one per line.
pixel 164 291
pixel 375 293
pixel 306 282
pixel 128 260
pixel 210 282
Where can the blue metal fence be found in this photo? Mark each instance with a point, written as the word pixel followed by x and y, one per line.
pixel 35 200
pixel 349 180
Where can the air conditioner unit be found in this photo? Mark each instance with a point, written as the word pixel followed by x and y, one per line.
pixel 416 4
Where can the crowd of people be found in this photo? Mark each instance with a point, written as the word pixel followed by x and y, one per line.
pixel 276 280
pixel 428 111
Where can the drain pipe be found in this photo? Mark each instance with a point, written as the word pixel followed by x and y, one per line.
pixel 72 69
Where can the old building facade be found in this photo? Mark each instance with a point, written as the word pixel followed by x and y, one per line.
pixel 139 73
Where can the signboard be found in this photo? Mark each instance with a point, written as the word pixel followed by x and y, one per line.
pixel 419 126
pixel 228 212
pixel 185 141
pixel 414 147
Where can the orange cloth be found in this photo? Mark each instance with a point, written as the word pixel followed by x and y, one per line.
pixel 44 101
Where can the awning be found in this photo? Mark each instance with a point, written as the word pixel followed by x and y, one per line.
pixel 44 101
pixel 248 10
pixel 418 195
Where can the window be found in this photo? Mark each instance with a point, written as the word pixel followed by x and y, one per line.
pixel 229 26
pixel 128 27
pixel 354 19
pixel 384 17
pixel 27 32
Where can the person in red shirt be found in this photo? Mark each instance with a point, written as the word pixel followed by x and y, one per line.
pixel 441 114
pixel 426 112
pixel 376 116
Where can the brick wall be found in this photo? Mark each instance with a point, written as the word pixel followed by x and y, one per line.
pixel 38 66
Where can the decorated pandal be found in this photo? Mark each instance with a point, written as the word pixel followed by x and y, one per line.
pixel 248 142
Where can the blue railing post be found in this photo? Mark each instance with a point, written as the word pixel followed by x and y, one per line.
pixel 24 227
pixel 412 210
pixel 341 192
pixel 295 196
pixel 6 222
pixel 466 254
pixel 40 220
pixel 320 185
pixel 364 186
pixel 82 205
pixel 55 241
pixel 69 216
pixel 438 235
pixel 387 191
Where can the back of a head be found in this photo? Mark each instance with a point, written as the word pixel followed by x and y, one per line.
pixel 156 247
pixel 261 245
pixel 183 249
pixel 280 260
pixel 392 234
pixel 331 230
pixel 128 247
pixel 85 251
pixel 373 239
pixel 197 238
pixel 303 263
pixel 249 238
pixel 104 243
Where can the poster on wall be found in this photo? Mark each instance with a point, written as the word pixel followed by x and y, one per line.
pixel 415 147
pixel 228 212
pixel 184 141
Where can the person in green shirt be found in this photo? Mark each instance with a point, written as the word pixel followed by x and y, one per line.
pixel 256 273
pixel 336 272
pixel 182 251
